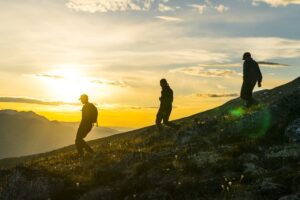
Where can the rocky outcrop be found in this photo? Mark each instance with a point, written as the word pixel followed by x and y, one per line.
pixel 293 131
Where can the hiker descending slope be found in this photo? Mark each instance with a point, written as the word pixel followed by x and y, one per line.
pixel 165 108
pixel 89 117
pixel 251 76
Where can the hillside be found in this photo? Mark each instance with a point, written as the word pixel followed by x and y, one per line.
pixel 225 153
pixel 24 133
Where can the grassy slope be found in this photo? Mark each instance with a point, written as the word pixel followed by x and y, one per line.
pixel 224 153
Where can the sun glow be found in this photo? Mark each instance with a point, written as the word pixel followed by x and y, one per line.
pixel 68 82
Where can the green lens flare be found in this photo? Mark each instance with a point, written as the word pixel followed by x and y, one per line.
pixel 253 123
pixel 262 123
pixel 237 112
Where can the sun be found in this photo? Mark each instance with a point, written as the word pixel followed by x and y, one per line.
pixel 67 83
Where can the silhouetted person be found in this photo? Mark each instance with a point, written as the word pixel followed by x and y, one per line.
pixel 251 76
pixel 165 108
pixel 89 117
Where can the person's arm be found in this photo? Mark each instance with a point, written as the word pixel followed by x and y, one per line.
pixel 259 75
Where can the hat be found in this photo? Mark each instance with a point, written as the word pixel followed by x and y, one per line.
pixel 246 55
pixel 83 96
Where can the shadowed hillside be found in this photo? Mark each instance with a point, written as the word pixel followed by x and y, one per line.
pixel 225 153
pixel 23 133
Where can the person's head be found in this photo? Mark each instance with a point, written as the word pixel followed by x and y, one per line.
pixel 84 98
pixel 246 56
pixel 163 83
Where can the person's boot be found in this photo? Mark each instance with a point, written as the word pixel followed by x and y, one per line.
pixel 159 128
pixel 248 103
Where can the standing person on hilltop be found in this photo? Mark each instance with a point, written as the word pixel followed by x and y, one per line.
pixel 251 76
pixel 89 117
pixel 165 108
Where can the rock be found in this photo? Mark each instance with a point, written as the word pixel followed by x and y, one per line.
pixel 26 184
pixel 252 169
pixel 293 131
pixel 291 197
pixel 284 152
pixel 203 158
pixel 249 157
pixel 267 187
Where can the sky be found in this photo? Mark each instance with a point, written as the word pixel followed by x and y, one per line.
pixel 116 51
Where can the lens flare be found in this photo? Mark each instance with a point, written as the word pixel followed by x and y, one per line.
pixel 252 123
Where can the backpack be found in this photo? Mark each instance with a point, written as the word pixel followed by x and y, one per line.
pixel 93 113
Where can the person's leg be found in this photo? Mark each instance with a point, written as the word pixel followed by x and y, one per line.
pixel 159 117
pixel 87 147
pixel 246 93
pixel 88 128
pixel 82 132
pixel 251 100
pixel 79 147
pixel 166 117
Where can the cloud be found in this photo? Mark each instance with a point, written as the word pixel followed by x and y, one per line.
pixel 221 65
pixel 113 83
pixel 271 64
pixel 34 101
pixel 276 3
pixel 170 19
pixel 202 72
pixel 217 95
pixel 101 82
pixel 199 8
pixel 221 8
pixel 221 87
pixel 50 76
pixel 93 6
pixel 164 8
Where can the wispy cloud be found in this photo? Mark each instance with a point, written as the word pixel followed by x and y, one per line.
pixel 200 8
pixel 221 87
pixel 218 95
pixel 202 72
pixel 221 8
pixel 271 64
pixel 164 8
pixel 93 6
pixel 34 101
pixel 113 83
pixel 97 81
pixel 276 3
pixel 170 19
pixel 50 76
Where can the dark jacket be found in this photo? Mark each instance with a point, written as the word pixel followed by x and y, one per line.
pixel 251 71
pixel 166 98
pixel 86 110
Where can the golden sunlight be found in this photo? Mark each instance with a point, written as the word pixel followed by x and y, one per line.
pixel 68 82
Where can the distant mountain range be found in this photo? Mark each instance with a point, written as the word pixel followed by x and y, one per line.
pixel 24 133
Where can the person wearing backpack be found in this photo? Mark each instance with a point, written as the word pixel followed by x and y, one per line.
pixel 165 109
pixel 89 117
pixel 251 76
